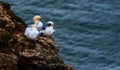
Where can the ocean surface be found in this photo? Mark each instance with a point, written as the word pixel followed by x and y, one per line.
pixel 87 31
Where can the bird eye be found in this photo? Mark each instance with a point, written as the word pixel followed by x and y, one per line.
pixel 48 24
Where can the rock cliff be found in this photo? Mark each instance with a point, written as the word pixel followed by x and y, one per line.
pixel 19 53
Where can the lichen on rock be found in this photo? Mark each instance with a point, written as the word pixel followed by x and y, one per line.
pixel 20 53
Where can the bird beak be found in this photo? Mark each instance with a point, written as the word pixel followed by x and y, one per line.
pixel 34 26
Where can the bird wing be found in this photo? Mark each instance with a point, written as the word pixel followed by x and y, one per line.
pixel 27 30
pixel 39 24
pixel 52 31
pixel 33 34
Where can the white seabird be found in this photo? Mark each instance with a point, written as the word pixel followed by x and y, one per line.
pixel 32 32
pixel 36 20
pixel 49 30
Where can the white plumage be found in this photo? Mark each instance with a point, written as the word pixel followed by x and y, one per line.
pixel 34 30
pixel 31 32
pixel 49 29
pixel 39 24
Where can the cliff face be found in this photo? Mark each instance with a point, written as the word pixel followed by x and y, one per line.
pixel 19 53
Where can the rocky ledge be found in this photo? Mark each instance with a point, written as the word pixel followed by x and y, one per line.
pixel 19 53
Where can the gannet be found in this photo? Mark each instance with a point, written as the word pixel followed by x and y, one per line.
pixel 49 30
pixel 36 20
pixel 32 32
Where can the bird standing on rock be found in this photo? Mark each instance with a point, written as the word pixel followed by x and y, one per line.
pixel 32 31
pixel 49 30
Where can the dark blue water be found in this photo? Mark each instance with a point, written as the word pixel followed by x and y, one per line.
pixel 88 31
